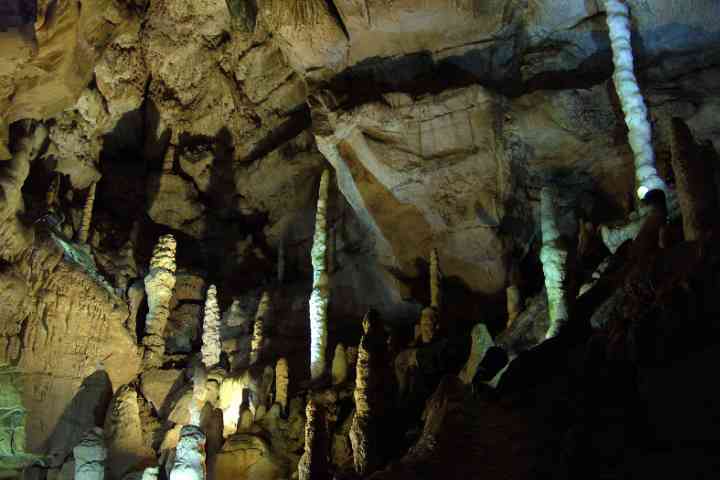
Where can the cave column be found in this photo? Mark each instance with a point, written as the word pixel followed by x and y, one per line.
pixel 553 256
pixel 320 291
pixel 211 344
pixel 631 99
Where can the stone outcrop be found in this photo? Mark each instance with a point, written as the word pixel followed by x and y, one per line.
pixel 513 303
pixel 211 345
pixel 249 457
pixel 159 284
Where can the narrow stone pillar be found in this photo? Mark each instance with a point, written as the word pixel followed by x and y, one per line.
pixel 84 232
pixel 159 285
pixel 211 344
pixel 321 291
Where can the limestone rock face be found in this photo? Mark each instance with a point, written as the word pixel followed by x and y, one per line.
pixel 47 61
pixel 156 385
pixel 249 457
pixel 127 450
pixel 174 202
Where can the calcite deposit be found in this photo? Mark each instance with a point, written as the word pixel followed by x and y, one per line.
pixel 199 200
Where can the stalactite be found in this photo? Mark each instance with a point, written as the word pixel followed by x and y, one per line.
pixel 514 303
pixel 189 461
pixel 313 464
pixel 631 99
pixel 368 378
pixel 90 456
pixel 553 256
pixel 481 342
pixel 159 285
pixel 320 292
pixel 84 232
pixel 435 279
pixel 694 179
pixel 211 344
pixel 339 365
pixel 258 337
pixel 282 380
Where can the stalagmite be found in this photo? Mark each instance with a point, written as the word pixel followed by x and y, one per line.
pixel 169 160
pixel 320 292
pixel 90 456
pixel 87 215
pixel 282 379
pixel 339 365
pixel 258 337
pixel 428 324
pixel 553 256
pixel 199 394
pixel 189 461
pixel 159 284
pixel 694 179
pixel 435 279
pixel 51 197
pixel 514 303
pixel 124 434
pixel 631 100
pixel 211 344
pixel 481 342
pixel 313 464
pixel 368 378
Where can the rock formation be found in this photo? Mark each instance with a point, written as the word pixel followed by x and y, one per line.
pixel 84 232
pixel 339 370
pixel 694 172
pixel 90 456
pixel 258 335
pixel 435 279
pixel 211 344
pixel 631 99
pixel 282 380
pixel 513 303
pixel 314 461
pixel 481 342
pixel 127 450
pixel 554 261
pixel 159 284
pixel 428 324
pixel 368 395
pixel 189 463
pixel 321 288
